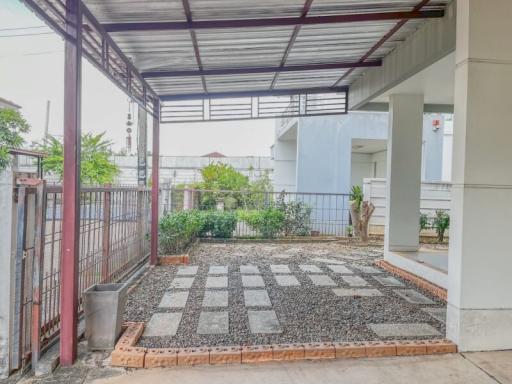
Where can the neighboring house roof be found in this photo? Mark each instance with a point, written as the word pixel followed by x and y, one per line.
pixel 214 154
pixel 4 103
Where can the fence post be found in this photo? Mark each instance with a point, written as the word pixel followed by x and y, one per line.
pixel 37 271
pixel 17 325
pixel 105 257
pixel 140 225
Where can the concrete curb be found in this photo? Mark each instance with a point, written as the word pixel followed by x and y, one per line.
pixel 128 356
pixel 435 290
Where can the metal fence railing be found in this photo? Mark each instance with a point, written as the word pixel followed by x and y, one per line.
pixel 114 239
pixel 329 212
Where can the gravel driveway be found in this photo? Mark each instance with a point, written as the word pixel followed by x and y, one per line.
pixel 243 294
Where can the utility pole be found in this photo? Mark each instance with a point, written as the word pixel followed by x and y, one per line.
pixel 47 120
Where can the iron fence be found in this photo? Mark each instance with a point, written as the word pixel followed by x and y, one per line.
pixel 328 212
pixel 114 239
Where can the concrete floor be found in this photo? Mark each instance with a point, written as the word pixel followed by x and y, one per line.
pixel 481 368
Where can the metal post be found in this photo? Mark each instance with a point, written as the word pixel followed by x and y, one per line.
pixel 105 261
pixel 37 272
pixel 71 183
pixel 155 186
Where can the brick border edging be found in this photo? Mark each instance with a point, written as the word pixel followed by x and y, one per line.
pixel 127 355
pixel 173 259
pixel 426 285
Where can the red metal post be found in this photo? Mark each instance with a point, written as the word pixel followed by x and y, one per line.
pixel 71 184
pixel 155 186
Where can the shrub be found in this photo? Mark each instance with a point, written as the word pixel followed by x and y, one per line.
pixel 297 216
pixel 220 224
pixel 356 194
pixel 441 224
pixel 178 230
pixel 267 222
pixel 423 221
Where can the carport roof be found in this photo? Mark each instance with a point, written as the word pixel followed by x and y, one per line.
pixel 223 47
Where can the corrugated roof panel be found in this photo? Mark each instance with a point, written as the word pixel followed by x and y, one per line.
pixel 129 11
pixel 158 50
pixel 305 79
pixel 333 7
pixel 236 47
pixel 257 82
pixel 244 9
pixel 177 85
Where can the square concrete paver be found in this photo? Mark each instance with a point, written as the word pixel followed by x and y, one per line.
pixel 189 270
pixel 369 270
pixel 322 280
pixel 213 323
pixel 287 280
pixel 437 313
pixel 253 281
pixel 174 300
pixel 263 322
pixel 217 282
pixel 215 299
pixel 355 281
pixel 388 281
pixel 249 270
pixel 163 324
pixel 280 268
pixel 412 296
pixel 340 269
pixel 328 261
pixel 182 283
pixel 364 292
pixel 404 330
pixel 310 268
pixel 218 270
pixel 256 298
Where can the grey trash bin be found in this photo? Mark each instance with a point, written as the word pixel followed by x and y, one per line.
pixel 104 306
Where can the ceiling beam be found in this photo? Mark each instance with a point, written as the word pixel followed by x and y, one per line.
pixel 384 38
pixel 193 37
pixel 249 70
pixel 271 22
pixel 293 37
pixel 272 92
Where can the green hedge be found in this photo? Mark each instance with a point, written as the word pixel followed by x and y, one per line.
pixel 179 229
pixel 269 222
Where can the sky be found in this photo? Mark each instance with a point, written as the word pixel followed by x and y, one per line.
pixel 31 73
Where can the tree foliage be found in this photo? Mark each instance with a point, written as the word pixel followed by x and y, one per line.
pixel 12 125
pixel 96 166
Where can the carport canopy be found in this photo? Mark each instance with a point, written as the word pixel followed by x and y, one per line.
pixel 177 58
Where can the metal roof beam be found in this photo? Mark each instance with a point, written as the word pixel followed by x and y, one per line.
pixel 270 92
pixel 249 70
pixel 384 38
pixel 271 22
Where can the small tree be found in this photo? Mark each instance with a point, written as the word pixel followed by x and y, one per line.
pixel 95 164
pixel 361 211
pixel 441 224
pixel 12 125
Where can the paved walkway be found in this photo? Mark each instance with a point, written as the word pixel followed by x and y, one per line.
pixel 477 368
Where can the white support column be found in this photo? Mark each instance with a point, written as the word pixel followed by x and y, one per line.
pixel 480 257
pixel 403 173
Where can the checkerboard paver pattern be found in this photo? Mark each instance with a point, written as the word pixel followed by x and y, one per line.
pixel 260 307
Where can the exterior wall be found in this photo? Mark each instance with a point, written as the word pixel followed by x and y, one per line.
pixel 434 196
pixel 285 165
pixel 324 160
pixel 308 161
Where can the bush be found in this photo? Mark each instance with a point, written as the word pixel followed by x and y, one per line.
pixel 219 224
pixel 267 222
pixel 297 217
pixel 178 230
pixel 441 224
pixel 423 221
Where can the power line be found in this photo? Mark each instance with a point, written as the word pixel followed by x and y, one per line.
pixel 28 34
pixel 19 28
